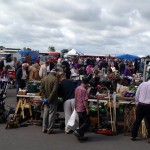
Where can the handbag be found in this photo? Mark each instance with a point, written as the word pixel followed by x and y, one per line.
pixel 73 122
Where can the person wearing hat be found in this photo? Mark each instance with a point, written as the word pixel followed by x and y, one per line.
pixel 49 87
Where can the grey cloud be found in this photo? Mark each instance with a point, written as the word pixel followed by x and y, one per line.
pixel 100 26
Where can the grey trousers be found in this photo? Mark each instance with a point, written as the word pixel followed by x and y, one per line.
pixel 69 106
pixel 49 116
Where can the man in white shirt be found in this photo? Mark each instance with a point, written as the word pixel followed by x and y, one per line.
pixel 142 100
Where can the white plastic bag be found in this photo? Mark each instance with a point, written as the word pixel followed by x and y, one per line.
pixel 73 122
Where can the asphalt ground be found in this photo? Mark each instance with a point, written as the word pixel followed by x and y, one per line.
pixel 32 138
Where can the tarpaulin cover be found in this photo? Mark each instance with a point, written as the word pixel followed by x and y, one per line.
pixel 127 56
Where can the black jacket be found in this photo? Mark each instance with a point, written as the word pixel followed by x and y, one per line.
pixel 21 83
pixel 66 89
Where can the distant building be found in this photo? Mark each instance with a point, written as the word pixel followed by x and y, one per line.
pixel 9 50
pixel 7 53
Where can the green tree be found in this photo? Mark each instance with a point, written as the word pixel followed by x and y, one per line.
pixel 63 51
pixel 24 48
pixel 2 47
pixel 51 49
pixel 27 49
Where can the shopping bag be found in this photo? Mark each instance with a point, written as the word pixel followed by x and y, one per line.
pixel 73 122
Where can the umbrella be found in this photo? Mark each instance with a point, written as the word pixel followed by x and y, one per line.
pixel 127 56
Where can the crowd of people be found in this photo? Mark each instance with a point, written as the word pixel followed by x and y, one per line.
pixel 57 81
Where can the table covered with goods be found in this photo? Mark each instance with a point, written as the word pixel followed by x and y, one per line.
pixel 112 113
pixel 29 107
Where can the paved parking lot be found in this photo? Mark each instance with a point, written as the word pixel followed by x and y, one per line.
pixel 32 138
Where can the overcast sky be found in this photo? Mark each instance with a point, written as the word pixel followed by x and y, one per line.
pixel 90 26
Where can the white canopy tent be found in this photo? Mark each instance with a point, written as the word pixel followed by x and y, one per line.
pixel 74 52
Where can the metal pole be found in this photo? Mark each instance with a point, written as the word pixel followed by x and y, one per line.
pixel 114 111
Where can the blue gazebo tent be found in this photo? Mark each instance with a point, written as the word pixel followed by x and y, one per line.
pixel 127 56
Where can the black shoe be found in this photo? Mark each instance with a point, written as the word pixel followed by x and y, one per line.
pixel 76 133
pixel 51 132
pixel 148 140
pixel 69 132
pixel 83 139
pixel 44 131
pixel 133 138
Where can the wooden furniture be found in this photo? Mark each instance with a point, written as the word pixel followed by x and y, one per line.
pixel 23 103
pixel 114 101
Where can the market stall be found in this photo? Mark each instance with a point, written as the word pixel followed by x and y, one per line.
pixel 120 112
pixel 29 108
pixel 29 105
